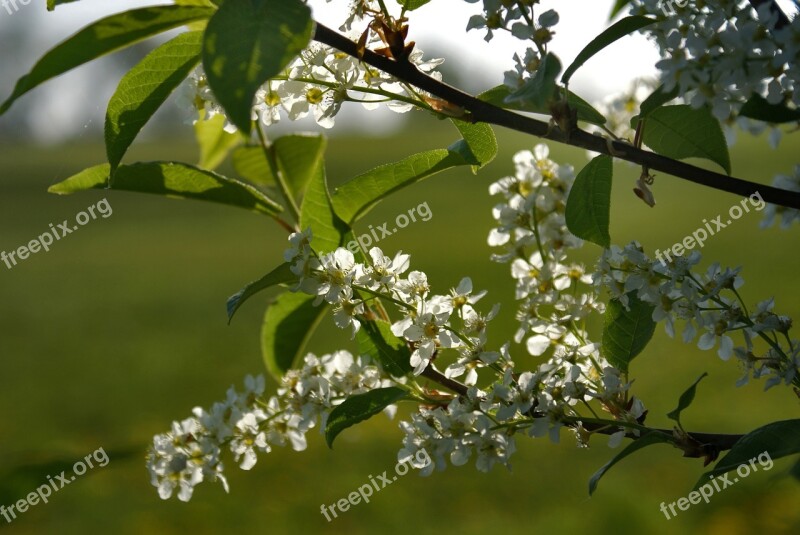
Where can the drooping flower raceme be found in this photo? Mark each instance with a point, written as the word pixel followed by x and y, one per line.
pixel 710 308
pixel 248 423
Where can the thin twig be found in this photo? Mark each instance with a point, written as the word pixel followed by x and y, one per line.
pixel 488 113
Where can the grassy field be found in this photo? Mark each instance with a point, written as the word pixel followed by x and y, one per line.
pixel 121 328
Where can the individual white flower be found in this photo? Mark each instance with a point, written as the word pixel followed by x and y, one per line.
pixel 268 104
pixel 384 271
pixel 347 310
pixel 337 273
pixel 248 438
pixel 427 331
pixel 716 327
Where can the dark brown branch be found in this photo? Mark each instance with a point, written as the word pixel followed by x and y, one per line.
pixel 484 112
pixel 700 444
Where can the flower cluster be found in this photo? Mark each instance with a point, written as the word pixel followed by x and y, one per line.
pixel 722 52
pixel 428 320
pixel 317 83
pixel 517 18
pixel 710 307
pixel 556 296
pixel 248 423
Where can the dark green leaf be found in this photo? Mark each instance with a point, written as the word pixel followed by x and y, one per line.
pixel 102 37
pixel 758 108
pixel 478 145
pixel 317 212
pixel 145 88
pixel 657 98
pixel 358 408
pixel 214 142
pixel 613 33
pixel 684 132
pixel 288 325
pixel 539 89
pixel 248 42
pixel 280 275
pixel 775 440
pixel 626 332
pixel 173 180
pixel 685 400
pixel 497 96
pixel 645 440
pixel 589 203
pixel 376 340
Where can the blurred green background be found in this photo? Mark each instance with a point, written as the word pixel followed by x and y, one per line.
pixel 121 328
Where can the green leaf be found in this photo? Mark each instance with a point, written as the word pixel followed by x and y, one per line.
pixel 626 332
pixel 619 5
pixel 778 439
pixel 539 89
pixel 173 180
pixel 288 325
pixel 102 37
pixel 375 338
pixel 251 164
pixel 588 209
pixel 145 88
pixel 215 143
pixel 647 439
pixel 613 33
pixel 685 401
pixel 657 98
pixel 758 108
pixel 587 113
pixel 317 212
pixel 478 145
pixel 359 195
pixel 684 132
pixel 248 42
pixel 358 408
pixel 280 275
pixel 411 5
pixel 300 158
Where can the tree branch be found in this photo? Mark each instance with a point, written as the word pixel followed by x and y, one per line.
pixel 488 113
pixel 706 445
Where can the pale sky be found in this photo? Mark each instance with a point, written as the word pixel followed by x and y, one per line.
pixel 439 25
